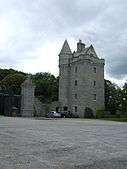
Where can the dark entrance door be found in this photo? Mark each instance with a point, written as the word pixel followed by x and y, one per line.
pixel 57 109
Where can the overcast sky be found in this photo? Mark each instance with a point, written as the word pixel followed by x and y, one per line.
pixel 32 33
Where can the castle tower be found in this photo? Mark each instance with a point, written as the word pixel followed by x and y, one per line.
pixel 64 76
pixel 81 79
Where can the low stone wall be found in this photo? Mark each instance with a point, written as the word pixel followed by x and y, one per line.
pixel 53 105
pixel 41 109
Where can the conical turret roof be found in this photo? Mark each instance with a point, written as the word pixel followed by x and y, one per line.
pixel 66 48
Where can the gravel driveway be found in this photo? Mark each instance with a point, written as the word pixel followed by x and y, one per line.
pixel 62 144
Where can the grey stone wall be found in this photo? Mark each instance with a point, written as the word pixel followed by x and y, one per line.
pixel 42 109
pixel 39 108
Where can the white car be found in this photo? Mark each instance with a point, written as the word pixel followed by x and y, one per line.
pixel 53 114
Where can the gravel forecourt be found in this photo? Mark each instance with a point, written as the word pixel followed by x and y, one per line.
pixel 62 144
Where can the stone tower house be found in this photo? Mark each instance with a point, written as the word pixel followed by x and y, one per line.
pixel 81 79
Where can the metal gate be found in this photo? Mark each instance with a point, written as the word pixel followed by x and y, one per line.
pixel 10 104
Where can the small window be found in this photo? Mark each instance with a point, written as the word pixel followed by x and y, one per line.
pixel 94 83
pixel 75 82
pixel 75 95
pixel 76 69
pixel 94 97
pixel 65 108
pixel 95 70
pixel 75 108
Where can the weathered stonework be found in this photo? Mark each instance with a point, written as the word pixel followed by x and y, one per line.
pixel 27 100
pixel 81 79
pixel 42 109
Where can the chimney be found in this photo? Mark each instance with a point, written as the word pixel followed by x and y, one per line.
pixel 80 46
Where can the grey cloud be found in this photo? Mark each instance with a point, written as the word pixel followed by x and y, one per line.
pixel 101 23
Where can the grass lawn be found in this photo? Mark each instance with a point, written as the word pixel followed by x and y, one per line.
pixel 116 119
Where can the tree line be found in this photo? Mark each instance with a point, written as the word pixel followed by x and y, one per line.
pixel 47 88
pixel 46 84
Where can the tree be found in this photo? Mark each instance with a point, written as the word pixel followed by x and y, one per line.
pixel 46 87
pixel 113 97
pixel 124 98
pixel 5 72
pixel 12 83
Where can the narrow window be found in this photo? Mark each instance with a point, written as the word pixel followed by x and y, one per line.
pixel 95 70
pixel 75 108
pixel 75 82
pixel 65 108
pixel 94 97
pixel 75 95
pixel 76 69
pixel 94 83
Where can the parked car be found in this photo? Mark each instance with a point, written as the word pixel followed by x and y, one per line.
pixel 53 114
pixel 66 114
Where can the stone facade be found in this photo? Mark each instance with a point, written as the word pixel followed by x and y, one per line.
pixel 81 79
pixel 42 109
pixel 27 100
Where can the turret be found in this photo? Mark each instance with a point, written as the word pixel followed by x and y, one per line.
pixel 65 54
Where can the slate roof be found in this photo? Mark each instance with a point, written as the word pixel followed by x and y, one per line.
pixel 66 48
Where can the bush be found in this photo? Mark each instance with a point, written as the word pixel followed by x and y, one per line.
pixel 118 114
pixel 88 113
pixel 100 113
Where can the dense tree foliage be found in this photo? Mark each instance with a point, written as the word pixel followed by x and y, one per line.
pixel 46 84
pixel 5 72
pixel 46 87
pixel 124 98
pixel 12 82
pixel 113 96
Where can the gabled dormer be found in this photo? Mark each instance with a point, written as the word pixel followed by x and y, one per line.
pixel 91 52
